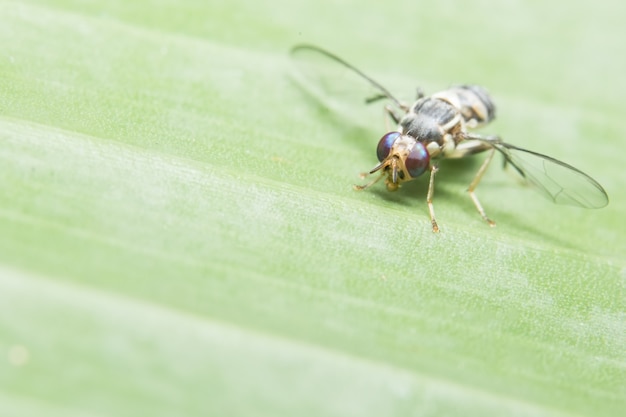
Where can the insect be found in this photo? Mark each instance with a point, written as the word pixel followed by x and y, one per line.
pixel 437 127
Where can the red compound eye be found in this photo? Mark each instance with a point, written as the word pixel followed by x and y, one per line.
pixel 385 144
pixel 418 160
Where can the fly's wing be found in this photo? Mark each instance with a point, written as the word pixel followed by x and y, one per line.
pixel 560 182
pixel 336 83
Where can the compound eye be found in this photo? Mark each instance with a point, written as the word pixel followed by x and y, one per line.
pixel 418 160
pixel 385 144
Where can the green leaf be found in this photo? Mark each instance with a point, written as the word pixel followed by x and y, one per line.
pixel 179 234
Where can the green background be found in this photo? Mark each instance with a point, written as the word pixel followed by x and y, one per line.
pixel 179 234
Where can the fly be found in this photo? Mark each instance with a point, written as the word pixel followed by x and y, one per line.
pixel 436 127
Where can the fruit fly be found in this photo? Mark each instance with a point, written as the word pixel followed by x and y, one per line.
pixel 436 127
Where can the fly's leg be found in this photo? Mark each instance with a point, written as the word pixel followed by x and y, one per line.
pixel 389 110
pixel 474 184
pixel 429 197
pixel 393 115
pixel 369 184
pixel 419 93
pixel 374 99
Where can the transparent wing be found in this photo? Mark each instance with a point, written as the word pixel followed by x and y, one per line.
pixel 334 81
pixel 558 181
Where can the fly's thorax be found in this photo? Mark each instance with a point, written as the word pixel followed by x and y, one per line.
pixel 472 101
pixel 434 122
pixel 421 127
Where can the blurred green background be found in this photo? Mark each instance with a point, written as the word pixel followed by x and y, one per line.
pixel 179 234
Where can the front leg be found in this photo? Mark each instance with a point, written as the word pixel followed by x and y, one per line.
pixel 429 198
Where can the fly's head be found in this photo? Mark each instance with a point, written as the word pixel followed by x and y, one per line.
pixel 401 157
